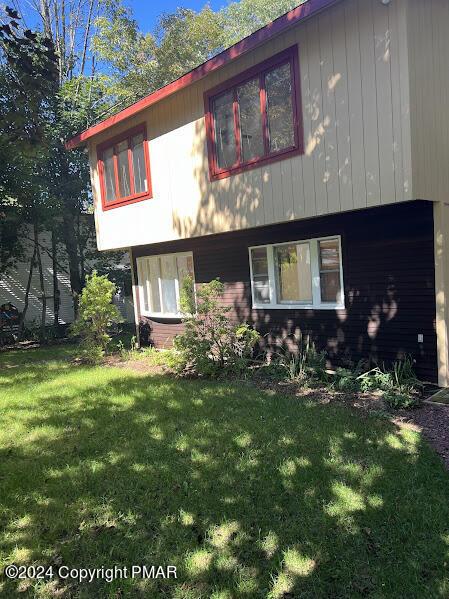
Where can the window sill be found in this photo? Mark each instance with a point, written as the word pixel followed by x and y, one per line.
pixel 129 200
pixel 298 307
pixel 159 316
pixel 260 162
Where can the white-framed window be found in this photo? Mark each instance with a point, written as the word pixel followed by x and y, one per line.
pixel 160 279
pixel 298 274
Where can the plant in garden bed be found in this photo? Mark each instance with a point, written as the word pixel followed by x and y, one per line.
pixel 210 344
pixel 303 363
pixel 399 385
pixel 96 315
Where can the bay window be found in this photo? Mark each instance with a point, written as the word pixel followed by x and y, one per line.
pixel 124 168
pixel 254 117
pixel 299 274
pixel 160 279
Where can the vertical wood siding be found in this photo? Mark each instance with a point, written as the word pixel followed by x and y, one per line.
pixel 388 263
pixel 428 31
pixel 353 71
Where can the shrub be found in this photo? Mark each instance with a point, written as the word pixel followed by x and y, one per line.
pixel 210 342
pixel 96 315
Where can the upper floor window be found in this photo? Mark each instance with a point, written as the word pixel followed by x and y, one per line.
pixel 255 117
pixel 124 168
pixel 298 274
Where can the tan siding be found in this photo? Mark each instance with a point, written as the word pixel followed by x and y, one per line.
pixel 356 131
pixel 342 109
pixel 428 27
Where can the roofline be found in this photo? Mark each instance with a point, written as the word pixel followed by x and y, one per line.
pixel 252 41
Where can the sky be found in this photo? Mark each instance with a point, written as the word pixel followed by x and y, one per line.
pixel 146 12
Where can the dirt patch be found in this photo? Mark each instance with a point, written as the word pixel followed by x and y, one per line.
pixel 142 366
pixel 433 422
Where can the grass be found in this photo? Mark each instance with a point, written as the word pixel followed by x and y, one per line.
pixel 247 494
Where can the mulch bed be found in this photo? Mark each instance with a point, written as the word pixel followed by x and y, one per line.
pixel 433 421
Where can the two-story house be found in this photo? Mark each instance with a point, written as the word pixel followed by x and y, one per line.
pixel 307 167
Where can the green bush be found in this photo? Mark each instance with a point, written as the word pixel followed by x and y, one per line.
pixel 96 315
pixel 399 385
pixel 210 344
pixel 397 400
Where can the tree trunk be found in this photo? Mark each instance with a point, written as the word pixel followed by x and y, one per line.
pixel 42 283
pixel 71 245
pixel 27 294
pixel 56 292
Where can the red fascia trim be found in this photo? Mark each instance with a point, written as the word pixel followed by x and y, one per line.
pixel 131 199
pixel 287 56
pixel 298 14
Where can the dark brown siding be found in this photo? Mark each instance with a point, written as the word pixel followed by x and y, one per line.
pixel 388 269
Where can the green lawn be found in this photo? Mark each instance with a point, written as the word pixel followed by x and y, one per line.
pixel 247 494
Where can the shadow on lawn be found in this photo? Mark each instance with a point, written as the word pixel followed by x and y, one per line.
pixel 245 493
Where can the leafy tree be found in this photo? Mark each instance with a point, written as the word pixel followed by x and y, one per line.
pixel 137 63
pixel 56 182
pixel 246 16
pixel 96 315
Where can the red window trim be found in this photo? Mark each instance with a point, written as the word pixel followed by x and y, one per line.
pixel 290 55
pixel 133 197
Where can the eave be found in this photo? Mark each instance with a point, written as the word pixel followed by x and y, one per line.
pixel 259 37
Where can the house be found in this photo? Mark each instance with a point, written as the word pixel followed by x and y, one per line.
pixel 14 281
pixel 307 166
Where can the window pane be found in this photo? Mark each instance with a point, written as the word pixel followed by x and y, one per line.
pixel 185 268
pixel 251 138
pixel 261 281
pixel 109 178
pixel 278 87
pixel 294 273
pixel 330 270
pixel 168 285
pixel 305 272
pixel 287 268
pixel 142 274
pixel 123 169
pixel 224 130
pixel 154 274
pixel 330 287
pixel 329 255
pixel 140 176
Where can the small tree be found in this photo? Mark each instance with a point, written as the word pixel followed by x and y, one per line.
pixel 210 342
pixel 96 315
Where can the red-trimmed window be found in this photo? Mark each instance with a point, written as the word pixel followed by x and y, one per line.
pixel 255 117
pixel 124 167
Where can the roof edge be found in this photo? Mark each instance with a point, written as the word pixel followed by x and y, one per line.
pixel 252 41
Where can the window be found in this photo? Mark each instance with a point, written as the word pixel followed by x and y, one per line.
pixel 160 279
pixel 254 118
pixel 124 169
pixel 298 274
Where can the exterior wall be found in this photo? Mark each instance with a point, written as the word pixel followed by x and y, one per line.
pixel 355 102
pixel 13 285
pixel 428 27
pixel 389 278
pixel 441 235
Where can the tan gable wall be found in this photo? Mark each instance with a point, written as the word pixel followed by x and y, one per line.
pixel 355 95
pixel 428 32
